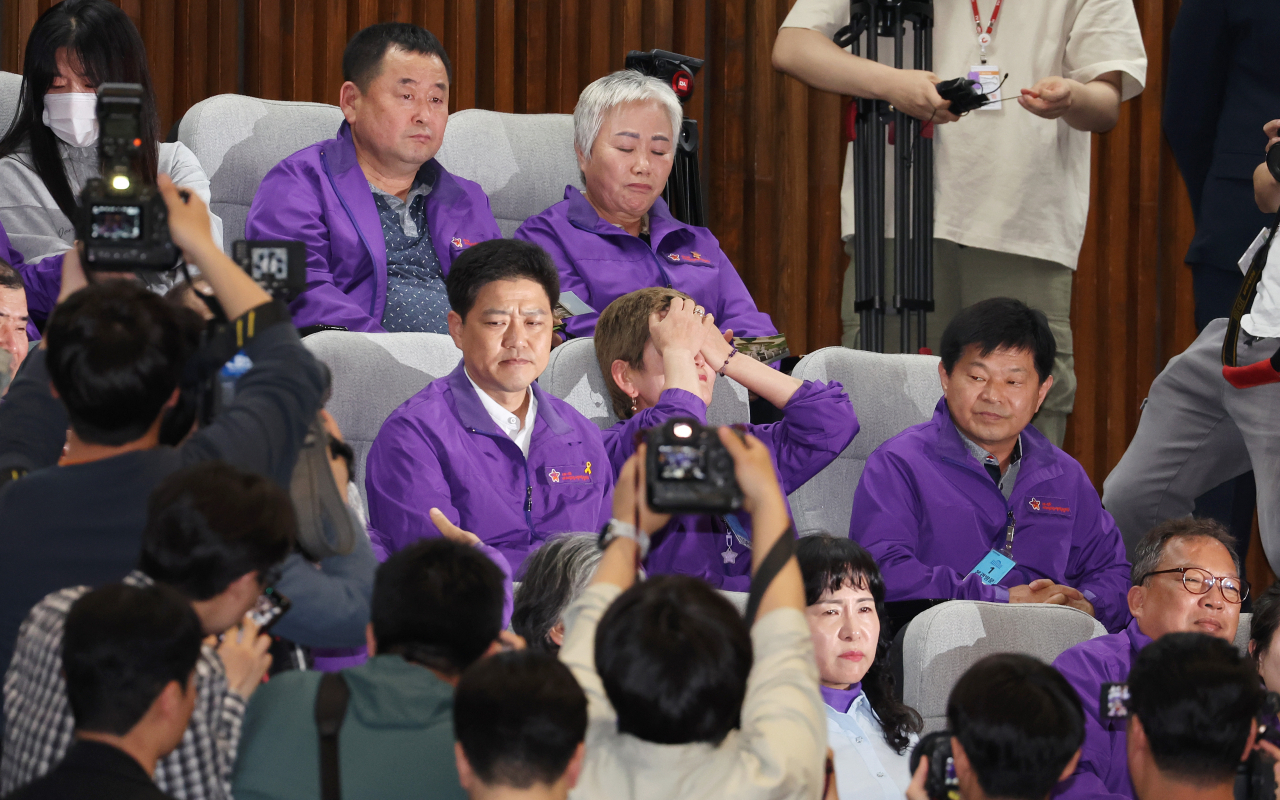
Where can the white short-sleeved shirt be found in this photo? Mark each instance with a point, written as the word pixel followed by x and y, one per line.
pixel 32 219
pixel 867 768
pixel 1008 180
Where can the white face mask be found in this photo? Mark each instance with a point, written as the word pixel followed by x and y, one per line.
pixel 73 117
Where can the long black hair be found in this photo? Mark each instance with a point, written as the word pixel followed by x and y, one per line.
pixel 108 49
pixel 829 563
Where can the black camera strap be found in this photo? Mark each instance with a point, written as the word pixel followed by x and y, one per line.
pixel 1244 299
pixel 231 338
pixel 778 556
pixel 331 708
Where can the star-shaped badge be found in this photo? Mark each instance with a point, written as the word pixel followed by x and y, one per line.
pixel 729 556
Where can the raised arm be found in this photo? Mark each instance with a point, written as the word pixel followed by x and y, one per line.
pixel 811 57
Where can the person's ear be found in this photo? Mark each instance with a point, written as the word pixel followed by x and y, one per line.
pixel 961 760
pixel 455 328
pixel 349 101
pixel 1252 742
pixel 622 374
pixel 168 704
pixel 574 770
pixel 370 643
pixel 582 161
pixel 556 634
pixel 1253 650
pixel 1137 598
pixel 1070 769
pixel 944 377
pixel 466 776
pixel 1045 386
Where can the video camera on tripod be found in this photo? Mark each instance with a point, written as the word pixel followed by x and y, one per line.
pixel 684 188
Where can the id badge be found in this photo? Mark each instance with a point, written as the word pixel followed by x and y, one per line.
pixel 993 567
pixel 988 75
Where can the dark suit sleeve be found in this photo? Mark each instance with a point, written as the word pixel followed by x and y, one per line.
pixel 33 423
pixel 1200 48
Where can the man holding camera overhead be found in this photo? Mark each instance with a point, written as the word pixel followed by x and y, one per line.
pixel 1012 186
pixel 382 220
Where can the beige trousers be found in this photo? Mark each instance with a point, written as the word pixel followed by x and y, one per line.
pixel 964 275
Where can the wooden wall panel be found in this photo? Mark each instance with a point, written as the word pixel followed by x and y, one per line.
pixel 772 150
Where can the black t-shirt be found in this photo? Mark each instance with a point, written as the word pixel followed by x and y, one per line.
pixel 93 771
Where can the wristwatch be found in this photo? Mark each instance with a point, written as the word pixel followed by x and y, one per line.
pixel 617 529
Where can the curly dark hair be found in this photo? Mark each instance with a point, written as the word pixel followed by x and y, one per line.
pixel 829 563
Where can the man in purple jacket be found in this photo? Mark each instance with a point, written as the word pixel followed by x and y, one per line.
pixel 484 448
pixel 620 236
pixel 382 220
pixel 976 504
pixel 41 282
pixel 660 353
pixel 1185 579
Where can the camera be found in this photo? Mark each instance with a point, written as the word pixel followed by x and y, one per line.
pixel 689 471
pixel 965 95
pixel 122 219
pixel 279 267
pixel 940 782
pixel 1255 777
pixel 673 68
pixel 269 609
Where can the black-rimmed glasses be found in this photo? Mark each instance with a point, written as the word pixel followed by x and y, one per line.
pixel 1200 581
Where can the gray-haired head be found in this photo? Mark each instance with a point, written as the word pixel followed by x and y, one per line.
pixel 620 88
pixel 1149 551
pixel 554 576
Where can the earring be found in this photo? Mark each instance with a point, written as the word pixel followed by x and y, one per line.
pixel 633 405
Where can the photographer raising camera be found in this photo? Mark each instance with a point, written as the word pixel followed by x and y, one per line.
pixel 51 151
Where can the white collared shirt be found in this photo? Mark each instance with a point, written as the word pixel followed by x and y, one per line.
pixel 866 766
pixel 507 422
pixel 1263 319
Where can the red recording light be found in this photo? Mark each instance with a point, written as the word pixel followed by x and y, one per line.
pixel 682 83
pixel 137 143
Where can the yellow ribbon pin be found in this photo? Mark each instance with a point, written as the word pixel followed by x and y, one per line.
pixel 588 468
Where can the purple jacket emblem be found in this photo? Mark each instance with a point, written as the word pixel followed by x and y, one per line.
pixel 320 196
pixel 1104 766
pixel 441 449
pixel 600 263
pixel 928 512
pixel 818 423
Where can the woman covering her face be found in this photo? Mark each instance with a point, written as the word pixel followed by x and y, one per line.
pixel 870 732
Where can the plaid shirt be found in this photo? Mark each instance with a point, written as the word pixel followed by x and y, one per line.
pixel 38 722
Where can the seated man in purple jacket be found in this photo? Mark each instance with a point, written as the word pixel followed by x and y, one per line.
pixel 484 448
pixel 620 236
pixel 660 353
pixel 382 220
pixel 1185 579
pixel 976 504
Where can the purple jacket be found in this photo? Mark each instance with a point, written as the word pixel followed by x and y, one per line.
pixel 928 512
pixel 600 263
pixel 43 281
pixel 442 449
pixel 1104 766
pixel 817 424
pixel 320 196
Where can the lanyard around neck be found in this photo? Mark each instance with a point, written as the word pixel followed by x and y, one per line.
pixel 985 37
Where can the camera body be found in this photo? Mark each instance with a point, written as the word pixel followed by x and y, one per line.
pixel 278 266
pixel 672 68
pixel 122 220
pixel 940 783
pixel 689 471
pixel 965 95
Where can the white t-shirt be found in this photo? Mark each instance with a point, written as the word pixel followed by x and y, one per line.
pixel 1008 180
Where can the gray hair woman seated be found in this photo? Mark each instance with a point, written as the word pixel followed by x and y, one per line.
pixel 554 575
pixel 619 235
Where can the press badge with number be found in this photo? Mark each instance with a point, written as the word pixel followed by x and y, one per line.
pixel 988 78
pixel 993 567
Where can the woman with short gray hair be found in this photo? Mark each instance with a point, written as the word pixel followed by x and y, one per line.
pixel 618 235
pixel 553 577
